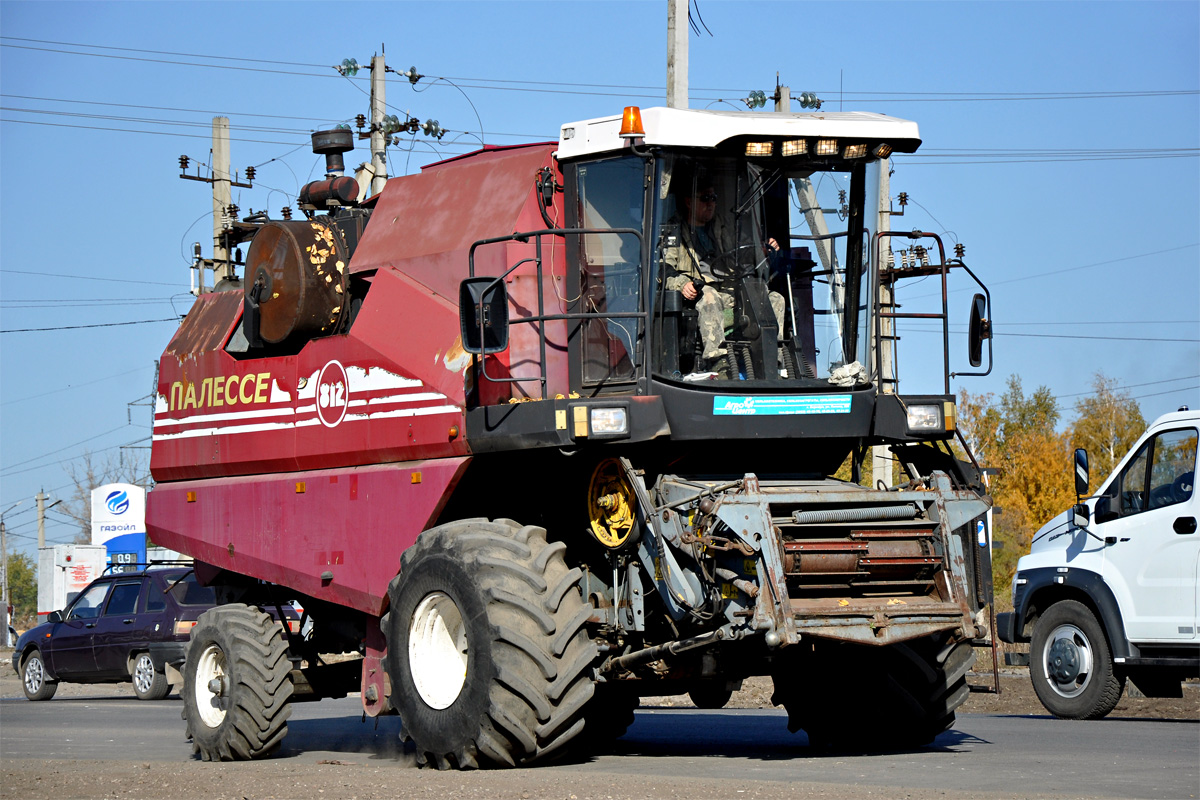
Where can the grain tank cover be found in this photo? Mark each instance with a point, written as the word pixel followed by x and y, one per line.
pixel 296 272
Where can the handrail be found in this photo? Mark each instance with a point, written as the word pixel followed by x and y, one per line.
pixel 542 316
pixel 942 268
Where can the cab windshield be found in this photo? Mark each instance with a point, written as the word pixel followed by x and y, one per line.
pixel 752 268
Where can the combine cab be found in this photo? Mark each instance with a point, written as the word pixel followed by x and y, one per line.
pixel 544 429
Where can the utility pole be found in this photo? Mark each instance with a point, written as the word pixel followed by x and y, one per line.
pixel 677 53
pixel 41 515
pixel 4 582
pixel 222 197
pixel 4 574
pixel 783 96
pixel 378 139
pixel 881 455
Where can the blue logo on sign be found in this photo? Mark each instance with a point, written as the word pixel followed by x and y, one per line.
pixel 117 502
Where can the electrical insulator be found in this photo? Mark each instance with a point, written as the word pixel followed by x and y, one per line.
pixel 757 99
pixel 903 199
pixel 891 259
pixel 432 128
pixel 360 121
pixel 959 250
pixel 348 67
pixel 231 210
pixel 841 195
pixel 286 212
pixel 809 100
pixel 250 171
pixel 904 259
pixel 183 162
pixel 412 75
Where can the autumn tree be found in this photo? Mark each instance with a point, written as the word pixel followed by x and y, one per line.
pixel 89 472
pixel 1108 424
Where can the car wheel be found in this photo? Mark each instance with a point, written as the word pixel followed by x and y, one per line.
pixel 1071 665
pixel 148 684
pixel 33 678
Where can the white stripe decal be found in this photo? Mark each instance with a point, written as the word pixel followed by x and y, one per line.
pixel 232 429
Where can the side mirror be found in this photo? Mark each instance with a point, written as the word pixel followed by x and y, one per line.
pixel 483 315
pixel 1081 473
pixel 1082 516
pixel 54 616
pixel 979 328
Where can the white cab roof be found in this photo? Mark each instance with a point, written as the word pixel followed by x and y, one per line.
pixel 680 127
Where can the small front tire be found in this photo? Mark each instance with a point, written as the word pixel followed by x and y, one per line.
pixel 33 678
pixel 148 684
pixel 237 684
pixel 1071 664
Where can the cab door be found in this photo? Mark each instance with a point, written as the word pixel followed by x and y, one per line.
pixel 1152 546
pixel 68 651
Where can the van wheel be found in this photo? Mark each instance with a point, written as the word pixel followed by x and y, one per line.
pixel 33 678
pixel 147 683
pixel 1071 665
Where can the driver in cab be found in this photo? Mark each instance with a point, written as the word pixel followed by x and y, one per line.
pixel 703 239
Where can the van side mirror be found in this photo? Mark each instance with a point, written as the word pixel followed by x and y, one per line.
pixel 1081 516
pixel 1081 473
pixel 483 315
pixel 54 616
pixel 979 328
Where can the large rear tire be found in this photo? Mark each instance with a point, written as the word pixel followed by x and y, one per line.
pixel 236 684
pixel 897 697
pixel 488 656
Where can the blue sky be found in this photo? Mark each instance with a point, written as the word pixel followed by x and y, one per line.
pixel 1060 147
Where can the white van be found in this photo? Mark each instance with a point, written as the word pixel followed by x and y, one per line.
pixel 1110 590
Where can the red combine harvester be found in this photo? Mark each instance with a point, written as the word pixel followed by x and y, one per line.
pixel 544 429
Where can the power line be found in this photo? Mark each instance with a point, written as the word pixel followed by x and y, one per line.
pixel 577 88
pixel 97 325
pixel 75 386
pixel 83 277
pixel 6 469
pixel 1135 385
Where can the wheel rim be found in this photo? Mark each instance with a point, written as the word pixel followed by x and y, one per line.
pixel 1067 659
pixel 437 650
pixel 143 674
pixel 212 686
pixel 35 675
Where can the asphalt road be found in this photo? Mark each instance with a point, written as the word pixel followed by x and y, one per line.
pixel 1008 756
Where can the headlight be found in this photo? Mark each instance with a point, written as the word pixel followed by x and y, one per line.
pixel 608 421
pixel 925 418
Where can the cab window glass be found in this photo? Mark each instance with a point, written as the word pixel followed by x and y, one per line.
pixel 611 195
pixel 1133 482
pixel 87 605
pixel 124 598
pixel 1173 469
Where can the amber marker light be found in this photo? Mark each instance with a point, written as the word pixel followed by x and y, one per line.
pixel 631 123
pixel 453 432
